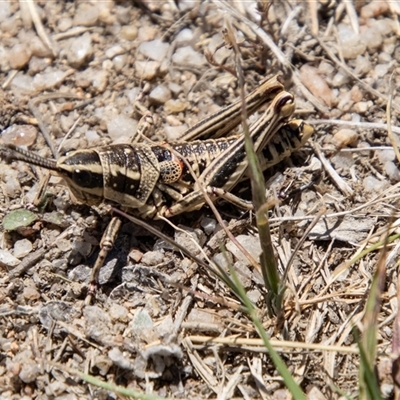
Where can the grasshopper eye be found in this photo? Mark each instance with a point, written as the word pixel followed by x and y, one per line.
pixel 82 178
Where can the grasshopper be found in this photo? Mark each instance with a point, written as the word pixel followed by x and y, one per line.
pixel 143 177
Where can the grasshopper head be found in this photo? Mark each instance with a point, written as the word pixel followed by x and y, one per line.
pixel 83 173
pixel 81 170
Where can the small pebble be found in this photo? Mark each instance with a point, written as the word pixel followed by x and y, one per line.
pixel 80 50
pixel 102 363
pixel 160 94
pixel 115 50
pixel 20 135
pixel 31 293
pixel 361 107
pixel 174 88
pixel 22 84
pixel 392 171
pixel 121 126
pixel 56 389
pixel 146 70
pixel 250 243
pixel 48 80
pixel 97 324
pixel 356 94
pixel 120 62
pixel 350 43
pixel 345 137
pixel 385 25
pixel 191 239
pixel 372 38
pixel 37 65
pixel 381 70
pixel 345 102
pixel 118 358
pixel 254 295
pixel 22 248
pixel 223 260
pixel 129 32
pixel 363 65
pixel 384 58
pixel 184 37
pixel 100 80
pixel 5 10
pixel 326 68
pixel 340 79
pixel 314 393
pixel 374 9
pixel 155 49
pixel 118 312
pixel 135 255
pixel 19 56
pixel 29 372
pixel 343 161
pixel 371 184
pixel 60 264
pixel 173 133
pixel 86 15
pixel 11 26
pixel 188 56
pixel 7 259
pixel 4 62
pixel 208 224
pixel 220 54
pixel 38 48
pixel 64 245
pixel 173 106
pixel 386 155
pixel 152 258
pixel 81 247
pixel 316 84
pixel 389 48
pixel 64 23
pixel 147 33
pixel 92 137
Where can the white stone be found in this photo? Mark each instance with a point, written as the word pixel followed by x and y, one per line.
pixel 184 37
pixel 22 248
pixel 188 56
pixel 340 79
pixel 155 49
pixel 146 70
pixel 5 10
pixel 372 38
pixel 115 51
pixel 363 65
pixel 160 94
pixel 48 80
pixel 80 50
pixel 121 125
pixel 392 171
pixel 250 243
pixel 7 259
pixel 350 42
pixel 381 70
pixel 371 184
pixel 92 138
pixel 386 155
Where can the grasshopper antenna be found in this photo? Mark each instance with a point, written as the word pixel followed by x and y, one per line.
pixel 13 153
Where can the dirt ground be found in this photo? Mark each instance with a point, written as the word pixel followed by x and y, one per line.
pixel 71 75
